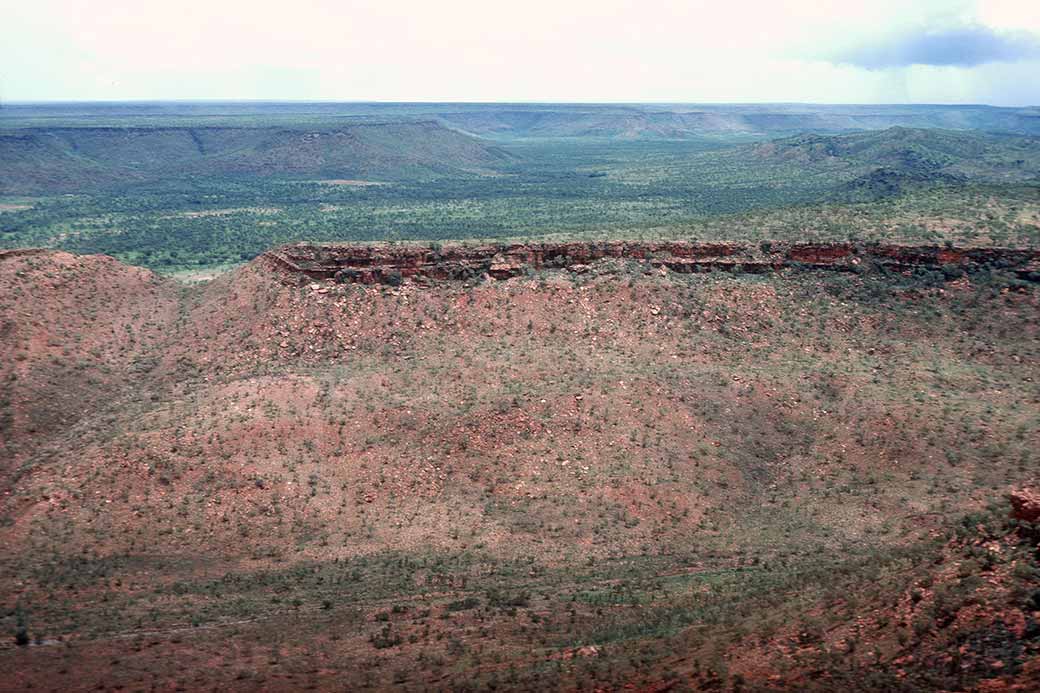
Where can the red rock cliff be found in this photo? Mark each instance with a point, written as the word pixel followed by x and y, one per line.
pixel 376 263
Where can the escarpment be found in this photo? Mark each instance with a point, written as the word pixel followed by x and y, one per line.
pixel 382 263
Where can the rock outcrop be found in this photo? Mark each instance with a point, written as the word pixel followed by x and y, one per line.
pixel 383 263
pixel 1025 505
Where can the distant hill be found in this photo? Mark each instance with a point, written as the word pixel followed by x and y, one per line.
pixel 543 120
pixel 891 160
pixel 758 120
pixel 44 159
pixel 894 146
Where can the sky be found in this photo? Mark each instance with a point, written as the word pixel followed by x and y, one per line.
pixel 819 51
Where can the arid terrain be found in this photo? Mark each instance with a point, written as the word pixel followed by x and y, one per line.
pixel 489 396
pixel 540 347
pixel 772 466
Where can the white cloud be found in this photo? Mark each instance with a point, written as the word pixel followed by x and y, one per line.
pixel 475 50
pixel 1010 15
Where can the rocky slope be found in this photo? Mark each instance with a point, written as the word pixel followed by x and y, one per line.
pixel 74 332
pixel 578 479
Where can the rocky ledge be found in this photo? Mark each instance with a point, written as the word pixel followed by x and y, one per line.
pixel 384 263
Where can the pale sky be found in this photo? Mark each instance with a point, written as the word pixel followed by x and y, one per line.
pixel 824 51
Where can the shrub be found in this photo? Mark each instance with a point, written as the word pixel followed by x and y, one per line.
pixel 464 604
pixel 21 629
pixel 385 638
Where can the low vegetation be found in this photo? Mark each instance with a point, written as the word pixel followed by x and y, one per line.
pixel 292 472
pixel 309 483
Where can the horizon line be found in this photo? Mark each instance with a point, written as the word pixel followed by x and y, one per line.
pixel 390 102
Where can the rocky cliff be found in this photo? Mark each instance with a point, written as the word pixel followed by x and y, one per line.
pixel 381 263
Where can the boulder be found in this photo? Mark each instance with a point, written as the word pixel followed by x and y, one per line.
pixel 1025 504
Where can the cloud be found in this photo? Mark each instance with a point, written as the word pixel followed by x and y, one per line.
pixel 966 46
pixel 535 50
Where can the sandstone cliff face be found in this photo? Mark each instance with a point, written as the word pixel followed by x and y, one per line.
pixel 376 263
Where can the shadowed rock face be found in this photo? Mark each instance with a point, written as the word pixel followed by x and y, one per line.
pixel 373 264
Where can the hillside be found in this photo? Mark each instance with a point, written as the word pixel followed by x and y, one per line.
pixel 912 148
pixel 894 160
pixel 74 331
pixel 590 472
pixel 39 160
